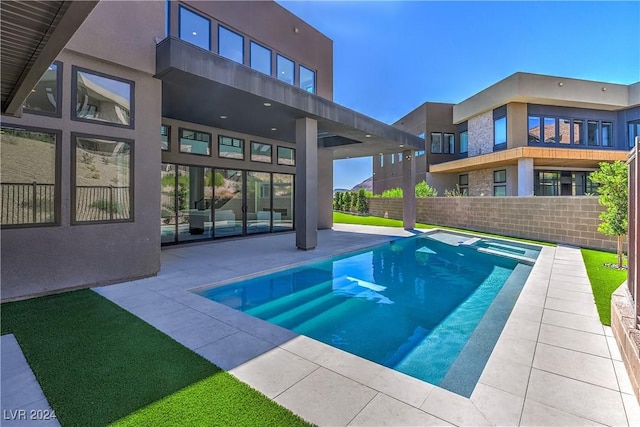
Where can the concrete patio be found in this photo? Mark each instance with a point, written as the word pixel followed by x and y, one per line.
pixel 554 363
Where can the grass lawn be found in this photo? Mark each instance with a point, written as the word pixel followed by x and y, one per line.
pixel 604 280
pixel 98 364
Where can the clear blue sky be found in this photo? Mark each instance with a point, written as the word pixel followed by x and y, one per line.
pixel 390 57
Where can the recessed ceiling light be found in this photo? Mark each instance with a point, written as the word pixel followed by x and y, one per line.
pixel 274 128
pixel 267 104
pixel 367 136
pixel 223 117
pixel 401 145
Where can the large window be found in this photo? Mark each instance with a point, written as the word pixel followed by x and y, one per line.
pixel 578 132
pixel 633 132
pixel 286 156
pixel 607 134
pixel 449 143
pixel 307 79
pixel 563 183
pixel 282 202
pixel 285 69
pixel 500 131
pixel 44 98
pixel 102 98
pixel 535 131
pixel 436 142
pixel 261 152
pixel 30 182
pixel 165 140
pixel 464 142
pixel 102 174
pixel 230 148
pixel 195 142
pixel 549 130
pixel 564 131
pixel 260 58
pixel 592 133
pixel 230 44
pixel 552 130
pixel 500 182
pixel 195 28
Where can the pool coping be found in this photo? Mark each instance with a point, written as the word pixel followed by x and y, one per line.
pixel 328 386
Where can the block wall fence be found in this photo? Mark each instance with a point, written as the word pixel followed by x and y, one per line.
pixel 571 220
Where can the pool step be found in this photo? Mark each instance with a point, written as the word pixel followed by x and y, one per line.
pixel 273 308
pixel 298 315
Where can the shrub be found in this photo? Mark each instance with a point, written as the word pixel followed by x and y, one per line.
pixel 425 190
pixel 392 192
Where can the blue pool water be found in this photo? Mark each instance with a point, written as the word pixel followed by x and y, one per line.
pixel 429 306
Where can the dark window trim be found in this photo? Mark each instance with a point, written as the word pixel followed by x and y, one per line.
pixel 58 112
pixel 630 137
pixel 168 149
pixel 460 142
pixel 278 156
pixel 220 136
pixel 611 134
pixel 502 145
pixel 74 97
pixel 57 176
pixel 315 77
pixel 270 162
pixel 431 142
pixel 180 7
pixel 180 129
pixel 270 56
pixel 451 149
pixel 495 181
pixel 495 187
pixel 460 179
pixel 131 142
pixel 236 33
pixel 294 68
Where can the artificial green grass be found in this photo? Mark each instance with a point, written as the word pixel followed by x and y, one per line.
pixel 97 363
pixel 604 280
pixel 343 218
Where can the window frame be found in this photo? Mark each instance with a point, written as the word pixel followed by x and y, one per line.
pixel 206 18
pixel 74 97
pixel 242 145
pixel 466 150
pixel 431 135
pixel 610 137
pixel 463 187
pixel 57 176
pixel 73 193
pixel 293 69
pixel 253 42
pixel 300 68
pixel 270 162
pixel 450 146
pixel 631 135
pixel 293 150
pixel 500 145
pixel 223 27
pixel 168 128
pixel 496 179
pixel 181 129
pixel 58 113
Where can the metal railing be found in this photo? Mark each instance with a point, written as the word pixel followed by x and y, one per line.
pixel 102 203
pixel 27 203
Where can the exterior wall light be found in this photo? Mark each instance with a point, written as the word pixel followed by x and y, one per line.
pixel 604 89
pixel 560 84
pixel 296 30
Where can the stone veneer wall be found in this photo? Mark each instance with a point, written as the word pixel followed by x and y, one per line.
pixel 561 219
pixel 481 182
pixel 480 130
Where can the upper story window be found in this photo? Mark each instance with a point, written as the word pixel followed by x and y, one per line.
pixel 535 131
pixel 30 178
pixel 592 133
pixel 578 132
pixel 307 79
pixel 607 134
pixel 634 131
pixel 500 131
pixel 230 44
pixel 165 132
pixel 464 142
pixel 194 28
pixel 564 131
pixel 260 58
pixel 261 152
pixel 420 153
pixel 286 156
pixel 102 98
pixel 230 148
pixel 436 142
pixel 194 142
pixel 381 160
pixel 449 143
pixel 44 98
pixel 285 69
pixel 549 130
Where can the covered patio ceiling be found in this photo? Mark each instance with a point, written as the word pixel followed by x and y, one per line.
pixel 33 33
pixel 202 87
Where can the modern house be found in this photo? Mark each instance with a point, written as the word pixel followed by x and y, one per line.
pixel 526 135
pixel 131 125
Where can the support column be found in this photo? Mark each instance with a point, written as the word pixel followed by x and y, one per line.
pixel 525 177
pixel 306 185
pixel 325 189
pixel 408 190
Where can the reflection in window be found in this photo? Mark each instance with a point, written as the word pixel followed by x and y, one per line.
pixel 381 160
pixel 499 176
pixel 500 190
pixel 564 131
pixel 168 217
pixel 449 143
pixel 436 142
pixel 633 131
pixel 285 69
pixel 547 183
pixel 260 58
pixel 282 202
pixel 44 97
pixel 230 44
pixel 307 79
pixel 464 142
pixel 607 134
pixel 195 142
pixel 230 148
pixel 102 98
pixel 500 131
pixel 534 130
pixel 578 132
pixel 261 152
pixel 549 130
pixel 420 153
pixel 194 28
pixel 165 131
pixel 286 156
pixel 227 203
pixel 463 184
pixel 28 180
pixel 592 133
pixel 102 179
pixel 258 210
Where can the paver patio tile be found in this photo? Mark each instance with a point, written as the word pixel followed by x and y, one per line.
pixel 538 414
pixel 575 307
pixel 632 409
pixel 523 328
pixel 574 340
pixel 349 365
pixel 568 295
pixel 614 350
pixel 386 411
pixel 401 387
pixel 624 383
pixel 499 407
pixel 578 322
pixel 194 337
pixel 506 375
pixel 515 349
pixel 453 408
pixel 234 350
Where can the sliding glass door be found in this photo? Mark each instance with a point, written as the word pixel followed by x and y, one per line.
pixel 228 203
pixel 258 202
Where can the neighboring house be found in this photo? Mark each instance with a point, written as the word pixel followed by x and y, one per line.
pixel 153 123
pixel 525 135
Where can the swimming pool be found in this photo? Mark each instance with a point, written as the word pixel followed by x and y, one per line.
pixel 429 306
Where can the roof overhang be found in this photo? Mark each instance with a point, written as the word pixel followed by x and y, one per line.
pixel 548 90
pixel 542 157
pixel 202 87
pixel 33 33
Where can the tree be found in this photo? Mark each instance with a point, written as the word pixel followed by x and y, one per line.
pixel 362 202
pixel 614 196
pixel 346 201
pixel 337 201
